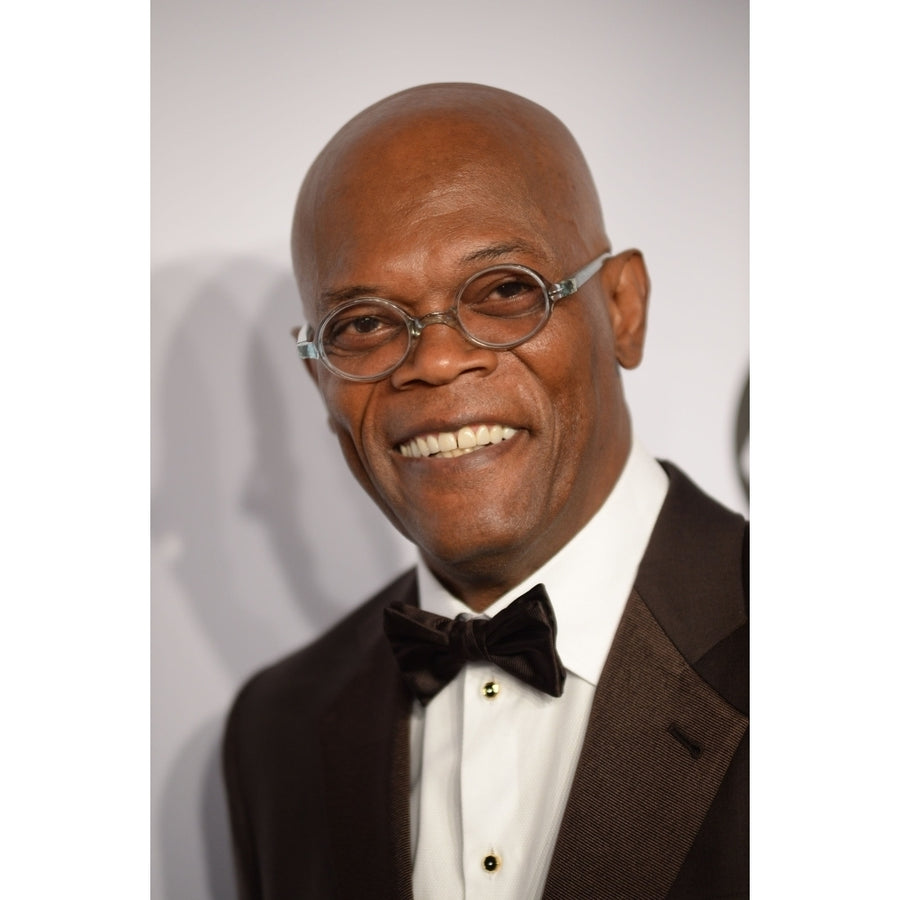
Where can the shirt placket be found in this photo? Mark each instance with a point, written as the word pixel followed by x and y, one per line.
pixel 488 781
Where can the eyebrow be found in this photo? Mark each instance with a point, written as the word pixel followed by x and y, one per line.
pixel 333 298
pixel 496 251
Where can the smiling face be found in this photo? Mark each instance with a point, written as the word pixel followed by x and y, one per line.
pixel 490 461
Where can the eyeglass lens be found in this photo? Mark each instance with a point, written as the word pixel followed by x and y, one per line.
pixel 499 307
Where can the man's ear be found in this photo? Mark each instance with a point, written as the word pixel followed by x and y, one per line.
pixel 629 296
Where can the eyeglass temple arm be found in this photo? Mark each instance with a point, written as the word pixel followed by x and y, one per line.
pixel 307 348
pixel 569 285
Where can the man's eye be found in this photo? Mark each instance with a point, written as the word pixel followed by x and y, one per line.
pixel 352 326
pixel 513 296
pixel 356 327
pixel 510 289
pixel 358 330
pixel 364 324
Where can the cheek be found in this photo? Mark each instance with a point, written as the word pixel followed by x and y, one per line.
pixel 347 404
pixel 584 389
pixel 571 359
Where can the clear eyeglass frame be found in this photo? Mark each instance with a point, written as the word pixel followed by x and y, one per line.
pixel 313 347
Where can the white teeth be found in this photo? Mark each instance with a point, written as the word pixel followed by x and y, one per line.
pixel 446 441
pixel 449 445
pixel 466 439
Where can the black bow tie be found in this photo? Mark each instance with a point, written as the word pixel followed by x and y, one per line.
pixel 431 649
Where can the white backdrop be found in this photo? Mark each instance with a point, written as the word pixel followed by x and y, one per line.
pixel 260 538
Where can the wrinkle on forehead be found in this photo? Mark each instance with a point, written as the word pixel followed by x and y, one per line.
pixel 432 149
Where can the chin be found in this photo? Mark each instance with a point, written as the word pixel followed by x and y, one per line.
pixel 488 552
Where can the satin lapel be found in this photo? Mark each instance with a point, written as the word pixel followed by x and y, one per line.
pixel 365 746
pixel 658 743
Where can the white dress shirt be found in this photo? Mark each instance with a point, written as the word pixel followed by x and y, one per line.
pixel 492 759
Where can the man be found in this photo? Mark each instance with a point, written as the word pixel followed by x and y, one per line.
pixel 468 321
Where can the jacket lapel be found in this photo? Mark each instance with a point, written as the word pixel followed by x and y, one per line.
pixel 659 738
pixel 658 743
pixel 365 748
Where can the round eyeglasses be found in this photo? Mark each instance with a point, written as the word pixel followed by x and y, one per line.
pixel 499 308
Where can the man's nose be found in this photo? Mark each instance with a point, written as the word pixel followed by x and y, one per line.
pixel 441 354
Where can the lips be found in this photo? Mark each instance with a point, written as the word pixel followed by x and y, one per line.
pixel 450 444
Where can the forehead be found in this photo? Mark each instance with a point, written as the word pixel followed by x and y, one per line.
pixel 434 195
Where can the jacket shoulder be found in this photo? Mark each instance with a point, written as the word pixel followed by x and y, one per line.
pixel 311 676
pixel 274 758
pixel 694 579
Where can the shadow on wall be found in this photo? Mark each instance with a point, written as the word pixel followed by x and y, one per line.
pixel 742 439
pixel 254 516
pixel 195 843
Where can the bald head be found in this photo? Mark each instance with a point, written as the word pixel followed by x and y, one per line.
pixel 422 150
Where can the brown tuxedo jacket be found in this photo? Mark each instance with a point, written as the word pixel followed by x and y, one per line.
pixel 316 750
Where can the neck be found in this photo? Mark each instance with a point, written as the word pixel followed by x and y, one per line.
pixel 481 579
pixel 483 576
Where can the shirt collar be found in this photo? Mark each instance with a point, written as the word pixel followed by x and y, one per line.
pixel 589 579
